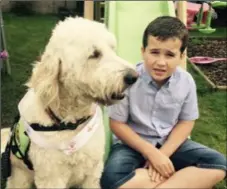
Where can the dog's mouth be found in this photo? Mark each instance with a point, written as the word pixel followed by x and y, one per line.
pixel 117 96
pixel 110 99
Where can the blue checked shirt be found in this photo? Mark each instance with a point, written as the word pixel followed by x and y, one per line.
pixel 152 112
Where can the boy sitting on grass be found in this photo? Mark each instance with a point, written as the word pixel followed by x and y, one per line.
pixel 152 123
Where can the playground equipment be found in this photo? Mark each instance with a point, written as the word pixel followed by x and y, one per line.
pixel 204 13
pixel 207 29
pixel 3 52
pixel 128 19
pixel 89 9
pixel 219 4
pixel 205 60
pixel 193 10
pixel 220 7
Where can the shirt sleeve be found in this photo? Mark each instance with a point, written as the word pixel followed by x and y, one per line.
pixel 190 110
pixel 120 111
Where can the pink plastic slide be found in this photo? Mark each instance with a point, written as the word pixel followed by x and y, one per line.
pixel 205 60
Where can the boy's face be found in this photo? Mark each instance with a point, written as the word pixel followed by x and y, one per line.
pixel 161 58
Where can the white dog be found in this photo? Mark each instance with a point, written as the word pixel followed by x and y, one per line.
pixel 60 113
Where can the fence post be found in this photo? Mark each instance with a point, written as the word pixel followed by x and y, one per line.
pixel 89 9
pixel 182 15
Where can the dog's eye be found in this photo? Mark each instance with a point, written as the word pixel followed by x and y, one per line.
pixel 96 54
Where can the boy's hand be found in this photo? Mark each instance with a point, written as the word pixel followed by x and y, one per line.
pixel 161 163
pixel 155 176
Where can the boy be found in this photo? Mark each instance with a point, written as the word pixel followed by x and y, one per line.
pixel 152 123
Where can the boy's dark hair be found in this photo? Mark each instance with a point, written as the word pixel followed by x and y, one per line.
pixel 165 27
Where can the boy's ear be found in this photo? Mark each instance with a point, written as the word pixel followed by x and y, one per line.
pixel 142 52
pixel 143 55
pixel 182 58
pixel 183 55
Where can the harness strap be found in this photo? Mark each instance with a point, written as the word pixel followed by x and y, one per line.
pixel 24 157
pixel 5 161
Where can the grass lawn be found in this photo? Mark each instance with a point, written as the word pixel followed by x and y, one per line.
pixel 26 38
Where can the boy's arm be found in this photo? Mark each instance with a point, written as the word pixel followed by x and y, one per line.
pixel 118 114
pixel 183 128
pixel 131 138
pixel 178 135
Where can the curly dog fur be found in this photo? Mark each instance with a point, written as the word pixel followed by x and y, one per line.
pixel 78 70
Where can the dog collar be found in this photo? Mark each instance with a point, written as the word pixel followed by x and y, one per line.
pixel 74 144
pixel 58 125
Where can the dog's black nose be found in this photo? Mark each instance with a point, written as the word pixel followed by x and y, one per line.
pixel 130 78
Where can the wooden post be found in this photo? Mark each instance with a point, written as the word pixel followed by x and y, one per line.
pixel 182 15
pixel 89 9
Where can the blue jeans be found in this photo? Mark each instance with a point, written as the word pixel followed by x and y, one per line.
pixel 123 161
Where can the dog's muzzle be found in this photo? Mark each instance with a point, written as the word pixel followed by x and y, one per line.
pixel 129 79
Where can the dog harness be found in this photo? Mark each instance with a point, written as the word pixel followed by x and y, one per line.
pixel 18 143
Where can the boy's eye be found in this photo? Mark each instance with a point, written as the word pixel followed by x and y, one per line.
pixel 171 55
pixel 154 52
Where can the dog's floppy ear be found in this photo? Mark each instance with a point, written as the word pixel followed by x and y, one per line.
pixel 45 79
